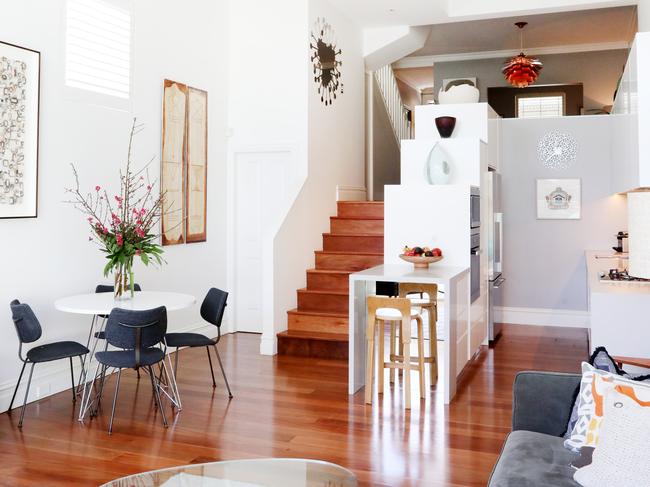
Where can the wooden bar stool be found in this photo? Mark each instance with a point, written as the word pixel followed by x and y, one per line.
pixel 398 312
pixel 430 303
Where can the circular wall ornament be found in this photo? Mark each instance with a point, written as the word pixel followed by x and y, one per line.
pixel 557 150
pixel 326 58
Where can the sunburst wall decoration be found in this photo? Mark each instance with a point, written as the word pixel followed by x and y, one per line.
pixel 557 150
pixel 326 58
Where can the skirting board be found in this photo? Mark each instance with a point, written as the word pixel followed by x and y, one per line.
pixel 542 317
pixel 54 377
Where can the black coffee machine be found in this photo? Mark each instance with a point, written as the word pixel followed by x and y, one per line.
pixel 622 242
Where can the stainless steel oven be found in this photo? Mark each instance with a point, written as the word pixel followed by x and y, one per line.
pixel 475 208
pixel 475 265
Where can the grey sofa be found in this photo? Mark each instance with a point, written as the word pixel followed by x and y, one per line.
pixel 533 454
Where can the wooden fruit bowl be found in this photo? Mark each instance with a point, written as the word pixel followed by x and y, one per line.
pixel 420 262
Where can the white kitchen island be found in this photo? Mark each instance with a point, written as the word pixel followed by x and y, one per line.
pixel 454 313
pixel 618 310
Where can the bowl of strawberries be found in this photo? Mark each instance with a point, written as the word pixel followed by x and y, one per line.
pixel 421 257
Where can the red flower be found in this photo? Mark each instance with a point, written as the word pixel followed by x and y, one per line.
pixel 90 219
pixel 97 188
pixel 148 187
pixel 119 239
pixel 138 252
pixel 105 230
pixel 139 232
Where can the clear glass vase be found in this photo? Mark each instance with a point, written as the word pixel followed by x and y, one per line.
pixel 124 281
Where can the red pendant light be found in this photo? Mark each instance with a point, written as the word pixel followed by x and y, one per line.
pixel 521 70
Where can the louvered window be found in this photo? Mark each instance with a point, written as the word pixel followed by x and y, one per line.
pixel 98 47
pixel 540 106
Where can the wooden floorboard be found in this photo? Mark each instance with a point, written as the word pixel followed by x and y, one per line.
pixel 289 407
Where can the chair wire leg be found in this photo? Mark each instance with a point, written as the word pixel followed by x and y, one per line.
pixel 86 394
pixel 100 392
pixel 17 384
pixel 29 382
pixel 157 395
pixel 137 371
pixel 82 358
pixel 223 371
pixel 117 389
pixel 171 380
pixel 176 363
pixel 74 392
pixel 214 383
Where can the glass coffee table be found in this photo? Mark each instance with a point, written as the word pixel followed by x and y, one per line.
pixel 271 472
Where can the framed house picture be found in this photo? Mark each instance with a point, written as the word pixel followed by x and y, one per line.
pixel 558 199
pixel 19 104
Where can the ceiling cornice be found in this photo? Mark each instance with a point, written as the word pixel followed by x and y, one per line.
pixel 425 61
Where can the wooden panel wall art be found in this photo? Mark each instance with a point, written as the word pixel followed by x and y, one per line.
pixel 197 165
pixel 184 163
pixel 19 103
pixel 172 180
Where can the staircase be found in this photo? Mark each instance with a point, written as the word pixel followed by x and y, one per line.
pixel 318 327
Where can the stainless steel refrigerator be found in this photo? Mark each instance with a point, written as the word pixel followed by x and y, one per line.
pixel 496 279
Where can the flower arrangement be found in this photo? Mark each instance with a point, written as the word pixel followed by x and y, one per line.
pixel 123 224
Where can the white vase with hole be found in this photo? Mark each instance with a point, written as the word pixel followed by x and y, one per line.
pixel 437 169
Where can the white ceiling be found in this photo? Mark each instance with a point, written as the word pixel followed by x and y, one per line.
pixel 608 25
pixel 418 78
pixel 383 13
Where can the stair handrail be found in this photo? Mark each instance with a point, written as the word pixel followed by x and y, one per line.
pixel 389 90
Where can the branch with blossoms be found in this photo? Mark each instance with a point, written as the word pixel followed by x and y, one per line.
pixel 123 224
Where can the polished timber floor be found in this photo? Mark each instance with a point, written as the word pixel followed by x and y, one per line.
pixel 288 407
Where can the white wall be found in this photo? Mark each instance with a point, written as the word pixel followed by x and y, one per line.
pixel 336 157
pixel 543 260
pixel 49 257
pixel 267 152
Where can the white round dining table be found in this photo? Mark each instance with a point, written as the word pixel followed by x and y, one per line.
pixel 103 303
pixel 100 305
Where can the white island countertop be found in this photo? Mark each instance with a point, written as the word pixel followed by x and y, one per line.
pixel 435 274
pixel 599 261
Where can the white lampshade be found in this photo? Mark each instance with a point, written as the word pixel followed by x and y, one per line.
pixel 638 210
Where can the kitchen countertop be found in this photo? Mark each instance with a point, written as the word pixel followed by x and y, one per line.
pixel 435 274
pixel 604 260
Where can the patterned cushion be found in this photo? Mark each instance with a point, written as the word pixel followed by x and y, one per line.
pixel 595 384
pixel 622 458
pixel 601 360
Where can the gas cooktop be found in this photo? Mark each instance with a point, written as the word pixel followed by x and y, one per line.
pixel 618 275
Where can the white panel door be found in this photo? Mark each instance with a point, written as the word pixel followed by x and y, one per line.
pixel 248 245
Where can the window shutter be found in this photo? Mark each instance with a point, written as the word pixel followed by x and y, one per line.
pixel 98 47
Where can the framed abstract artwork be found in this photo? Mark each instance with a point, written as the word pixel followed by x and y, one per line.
pixel 19 106
pixel 184 164
pixel 558 199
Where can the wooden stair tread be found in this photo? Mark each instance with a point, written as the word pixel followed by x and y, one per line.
pixel 327 271
pixel 357 218
pixel 372 235
pixel 346 252
pixel 359 202
pixel 323 291
pixel 328 314
pixel 313 335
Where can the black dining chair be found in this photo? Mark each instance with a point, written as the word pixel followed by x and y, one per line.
pixel 101 334
pixel 29 330
pixel 212 310
pixel 136 334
